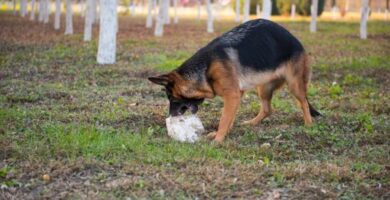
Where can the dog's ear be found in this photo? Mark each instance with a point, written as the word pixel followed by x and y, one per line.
pixel 163 80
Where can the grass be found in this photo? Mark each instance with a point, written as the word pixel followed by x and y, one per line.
pixel 101 129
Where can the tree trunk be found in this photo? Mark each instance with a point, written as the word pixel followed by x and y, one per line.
pixel 57 16
pixel 82 8
pixel 107 33
pixel 387 9
pixel 267 9
pixel 167 19
pixel 198 3
pixel 363 20
pixel 88 21
pixel 238 17
pixel 293 10
pixel 40 10
pixel 69 18
pixel 258 11
pixel 176 18
pixel 94 12
pixel 23 8
pixel 159 29
pixel 246 10
pixel 32 10
pixel 46 12
pixel 149 18
pixel 313 22
pixel 210 17
pixel 14 7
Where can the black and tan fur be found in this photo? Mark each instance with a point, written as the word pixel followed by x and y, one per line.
pixel 257 54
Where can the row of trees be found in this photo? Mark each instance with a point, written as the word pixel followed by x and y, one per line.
pixel 109 21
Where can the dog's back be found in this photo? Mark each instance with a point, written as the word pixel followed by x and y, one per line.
pixel 255 46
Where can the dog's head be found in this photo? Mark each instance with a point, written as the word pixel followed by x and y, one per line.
pixel 181 93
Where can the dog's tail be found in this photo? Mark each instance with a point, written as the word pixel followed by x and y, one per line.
pixel 313 112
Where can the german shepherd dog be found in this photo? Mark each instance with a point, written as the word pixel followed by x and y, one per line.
pixel 257 54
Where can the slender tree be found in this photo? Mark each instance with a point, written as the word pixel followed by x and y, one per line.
pixel 293 11
pixel 41 10
pixel 57 16
pixel 314 10
pixel 69 18
pixel 363 19
pixel 387 9
pixel 159 29
pixel 14 7
pixel 238 17
pixel 167 19
pixel 198 4
pixel 23 8
pixel 258 11
pixel 176 18
pixel 107 33
pixel 247 7
pixel 267 9
pixel 46 12
pixel 32 10
pixel 210 17
pixel 149 18
pixel 88 21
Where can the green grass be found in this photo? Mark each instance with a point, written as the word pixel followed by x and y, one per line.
pixel 103 127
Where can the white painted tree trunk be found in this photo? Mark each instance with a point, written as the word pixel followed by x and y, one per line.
pixel 363 19
pixel 82 8
pixel 267 9
pixel 210 17
pixel 159 29
pixel 246 10
pixel 313 22
pixel 46 11
pixel 69 18
pixel 293 10
pixel 176 18
pixel 335 12
pixel 149 18
pixel 23 8
pixel 167 19
pixel 107 33
pixel 41 10
pixel 346 5
pixel 238 15
pixel 258 11
pixel 133 8
pixel 198 3
pixel 97 14
pixel 14 7
pixel 88 21
pixel 57 16
pixel 32 10
pixel 94 11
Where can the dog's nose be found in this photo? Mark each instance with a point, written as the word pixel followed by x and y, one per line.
pixel 194 109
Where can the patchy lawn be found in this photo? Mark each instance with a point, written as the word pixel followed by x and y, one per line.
pixel 70 128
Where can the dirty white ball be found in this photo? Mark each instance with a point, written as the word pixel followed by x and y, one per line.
pixel 184 128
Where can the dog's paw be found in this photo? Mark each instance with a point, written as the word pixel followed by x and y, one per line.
pixel 218 139
pixel 211 135
pixel 251 122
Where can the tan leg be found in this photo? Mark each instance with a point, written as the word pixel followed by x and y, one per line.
pixel 265 110
pixel 231 104
pixel 265 93
pixel 298 89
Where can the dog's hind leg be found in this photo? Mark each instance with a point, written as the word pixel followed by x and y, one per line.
pixel 297 80
pixel 265 93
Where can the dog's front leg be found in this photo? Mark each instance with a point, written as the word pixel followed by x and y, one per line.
pixel 231 102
